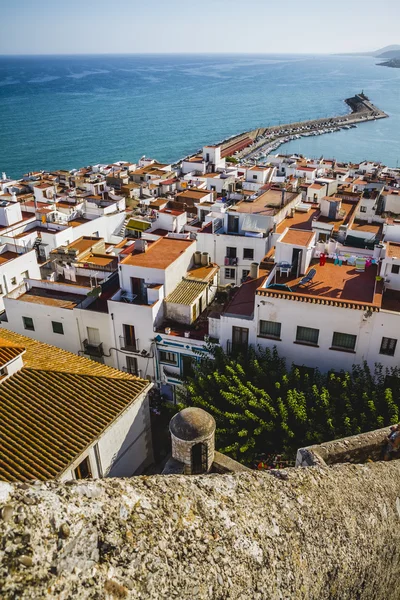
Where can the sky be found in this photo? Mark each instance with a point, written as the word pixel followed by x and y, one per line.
pixel 202 26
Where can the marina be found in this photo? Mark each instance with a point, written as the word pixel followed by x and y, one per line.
pixel 255 146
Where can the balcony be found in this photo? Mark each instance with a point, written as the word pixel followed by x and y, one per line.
pixel 132 371
pixel 129 344
pixel 233 349
pixel 230 262
pixel 93 349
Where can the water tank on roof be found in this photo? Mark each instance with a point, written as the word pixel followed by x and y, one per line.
pixel 197 258
pixel 205 259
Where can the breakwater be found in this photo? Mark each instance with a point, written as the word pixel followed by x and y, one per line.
pixel 250 144
pixel 265 140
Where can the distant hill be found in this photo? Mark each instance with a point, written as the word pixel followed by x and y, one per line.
pixel 390 54
pixel 392 51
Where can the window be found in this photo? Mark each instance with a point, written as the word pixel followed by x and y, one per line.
pixel 396 269
pixel 254 176
pixel 240 338
pixel 248 253
pixel 230 273
pixel 231 252
pixel 132 365
pixel 129 340
pixel 307 335
pixel 25 275
pixel 270 329
pixel 13 281
pixel 1 289
pixel 245 274
pixel 168 357
pixel 363 209
pixel 344 341
pixel 57 327
pixel 388 346
pixel 28 323
pixel 93 335
pixel 83 470
pixel 233 224
pixel 187 365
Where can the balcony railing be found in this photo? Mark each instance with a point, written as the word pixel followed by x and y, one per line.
pixel 132 371
pixel 129 344
pixel 93 349
pixel 236 348
pixel 230 261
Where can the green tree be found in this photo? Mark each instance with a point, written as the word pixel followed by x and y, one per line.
pixel 261 407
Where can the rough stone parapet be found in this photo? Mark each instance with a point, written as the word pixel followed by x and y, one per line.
pixel 316 534
pixel 354 449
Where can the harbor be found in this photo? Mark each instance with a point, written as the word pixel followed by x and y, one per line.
pixel 256 145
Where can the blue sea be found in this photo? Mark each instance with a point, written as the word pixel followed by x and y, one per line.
pixel 70 111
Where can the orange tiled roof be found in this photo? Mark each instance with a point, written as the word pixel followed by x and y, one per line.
pixel 55 407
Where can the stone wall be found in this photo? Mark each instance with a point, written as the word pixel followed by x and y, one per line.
pixel 354 449
pixel 317 533
pixel 182 450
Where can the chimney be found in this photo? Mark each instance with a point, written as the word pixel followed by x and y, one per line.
pixel 141 245
pixel 254 270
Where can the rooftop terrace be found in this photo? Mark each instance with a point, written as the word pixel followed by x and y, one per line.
pixel 343 284
pixel 267 204
pixel 49 296
pixel 160 254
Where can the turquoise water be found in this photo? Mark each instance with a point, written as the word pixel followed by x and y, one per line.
pixel 66 112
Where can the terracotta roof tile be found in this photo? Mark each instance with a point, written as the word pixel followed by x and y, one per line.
pixel 55 407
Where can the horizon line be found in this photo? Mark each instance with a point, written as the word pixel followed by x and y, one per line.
pixel 24 54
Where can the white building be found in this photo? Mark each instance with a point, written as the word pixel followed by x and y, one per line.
pixel 73 419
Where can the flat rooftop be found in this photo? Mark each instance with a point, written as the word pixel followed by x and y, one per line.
pixel 160 254
pixel 391 300
pixel 202 273
pixel 84 243
pixel 349 209
pixel 266 204
pixel 332 281
pixel 298 237
pixel 375 228
pixel 52 297
pixel 392 250
pixel 8 255
pixel 300 220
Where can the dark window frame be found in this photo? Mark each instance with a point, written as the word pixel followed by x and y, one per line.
pixel 30 327
pixel 388 346
pixel 395 269
pixel 247 250
pixel 303 335
pixel 83 470
pixel 269 326
pixel 55 324
pixel 340 346
pixel 165 360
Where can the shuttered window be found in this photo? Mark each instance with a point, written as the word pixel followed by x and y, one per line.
pixel 307 335
pixel 388 346
pixel 344 341
pixel 270 329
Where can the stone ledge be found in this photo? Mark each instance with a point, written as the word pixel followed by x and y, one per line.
pixel 319 533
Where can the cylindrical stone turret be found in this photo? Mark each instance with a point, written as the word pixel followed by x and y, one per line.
pixel 193 439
